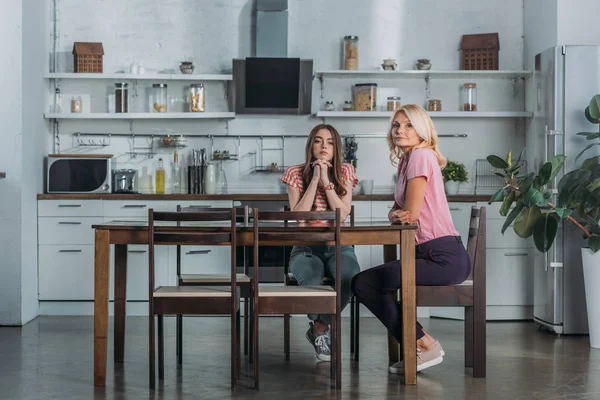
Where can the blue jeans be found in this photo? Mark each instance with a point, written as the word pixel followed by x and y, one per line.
pixel 310 264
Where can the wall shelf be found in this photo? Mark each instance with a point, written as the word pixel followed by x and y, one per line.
pixel 433 114
pixel 508 74
pixel 173 115
pixel 124 76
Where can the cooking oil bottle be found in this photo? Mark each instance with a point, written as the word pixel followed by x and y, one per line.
pixel 160 177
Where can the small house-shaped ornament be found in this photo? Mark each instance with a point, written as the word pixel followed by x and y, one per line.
pixel 88 57
pixel 480 52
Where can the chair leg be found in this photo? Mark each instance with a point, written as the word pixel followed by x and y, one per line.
pixel 255 346
pixel 352 324
pixel 233 347
pixel 469 337
pixel 246 323
pixel 179 333
pixel 357 330
pixel 151 354
pixel 332 348
pixel 338 350
pixel 161 349
pixel 479 341
pixel 286 336
pixel 238 343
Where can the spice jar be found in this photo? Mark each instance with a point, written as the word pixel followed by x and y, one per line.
pixel 348 106
pixel 158 98
pixel 329 106
pixel 121 97
pixel 365 97
pixel 350 52
pixel 393 103
pixel 76 105
pixel 470 96
pixel 196 97
pixel 434 105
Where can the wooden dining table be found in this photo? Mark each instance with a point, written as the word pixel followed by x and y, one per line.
pixel 124 233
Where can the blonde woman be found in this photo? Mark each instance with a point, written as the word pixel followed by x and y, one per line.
pixel 419 197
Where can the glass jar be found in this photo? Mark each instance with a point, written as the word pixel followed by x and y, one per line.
pixel 350 52
pixel 158 98
pixel 76 105
pixel 329 106
pixel 197 97
pixel 348 106
pixel 434 105
pixel 470 97
pixel 393 103
pixel 121 97
pixel 365 97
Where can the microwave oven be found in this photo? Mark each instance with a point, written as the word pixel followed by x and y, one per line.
pixel 264 85
pixel 78 173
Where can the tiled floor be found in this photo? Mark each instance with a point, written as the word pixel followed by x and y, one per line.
pixel 51 358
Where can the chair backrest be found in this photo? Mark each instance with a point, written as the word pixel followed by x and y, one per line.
pixel 239 212
pixel 278 236
pixel 191 235
pixel 476 243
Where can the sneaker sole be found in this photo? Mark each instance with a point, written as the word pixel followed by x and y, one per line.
pixel 420 367
pixel 320 357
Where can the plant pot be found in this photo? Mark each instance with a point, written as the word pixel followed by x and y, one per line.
pixel 451 188
pixel 186 67
pixel 591 279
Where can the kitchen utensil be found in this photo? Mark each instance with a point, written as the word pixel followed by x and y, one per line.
pixel 125 181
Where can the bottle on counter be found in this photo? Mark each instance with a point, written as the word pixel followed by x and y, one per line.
pixel 160 177
pixel 175 174
pixel 210 179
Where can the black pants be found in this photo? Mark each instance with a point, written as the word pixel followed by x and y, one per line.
pixel 441 261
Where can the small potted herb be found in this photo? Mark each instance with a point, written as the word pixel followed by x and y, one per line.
pixel 454 173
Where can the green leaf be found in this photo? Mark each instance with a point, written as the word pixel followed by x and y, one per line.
pixel 557 163
pixel 590 162
pixel 511 217
pixel 533 197
pixel 509 158
pixel 497 162
pixel 594 243
pixel 544 232
pixel 526 220
pixel 545 172
pixel 563 212
pixel 594 108
pixel 499 174
pixel 594 185
pixel 587 134
pixel 506 203
pixel 521 155
pixel 569 185
pixel 497 196
pixel 589 146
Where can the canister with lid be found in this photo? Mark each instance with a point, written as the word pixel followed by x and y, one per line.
pixel 393 103
pixel 197 97
pixel 470 97
pixel 158 98
pixel 365 97
pixel 350 52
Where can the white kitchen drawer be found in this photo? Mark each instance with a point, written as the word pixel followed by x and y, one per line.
pixel 380 209
pixel 66 272
pixel 461 217
pixel 137 271
pixel 135 208
pixel 509 277
pixel 67 230
pixel 70 208
pixel 495 238
pixel 204 259
pixel 202 204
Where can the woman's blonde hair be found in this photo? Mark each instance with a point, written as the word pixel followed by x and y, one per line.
pixel 423 124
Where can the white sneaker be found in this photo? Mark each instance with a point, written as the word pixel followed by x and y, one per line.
pixel 424 360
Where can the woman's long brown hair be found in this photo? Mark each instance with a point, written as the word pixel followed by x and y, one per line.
pixel 335 173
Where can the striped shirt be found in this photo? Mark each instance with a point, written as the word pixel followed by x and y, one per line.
pixel 293 177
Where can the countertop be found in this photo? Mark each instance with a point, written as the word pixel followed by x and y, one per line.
pixel 233 196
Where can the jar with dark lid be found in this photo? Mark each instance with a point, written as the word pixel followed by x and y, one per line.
pixel 121 97
pixel 393 103
pixel 365 97
pixel 158 98
pixel 350 53
pixel 197 97
pixel 348 106
pixel 434 105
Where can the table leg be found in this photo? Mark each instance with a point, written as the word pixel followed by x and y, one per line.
pixel 390 253
pixel 409 305
pixel 101 272
pixel 120 301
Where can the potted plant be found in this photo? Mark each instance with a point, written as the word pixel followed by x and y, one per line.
pixel 578 202
pixel 454 173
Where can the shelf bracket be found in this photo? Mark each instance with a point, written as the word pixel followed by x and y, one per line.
pixel 427 87
pixel 515 90
pixel 322 81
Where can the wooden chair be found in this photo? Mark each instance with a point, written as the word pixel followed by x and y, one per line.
pixel 181 300
pixel 290 280
pixel 470 294
pixel 321 299
pixel 243 281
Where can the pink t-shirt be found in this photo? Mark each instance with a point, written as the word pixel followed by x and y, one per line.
pixel 434 220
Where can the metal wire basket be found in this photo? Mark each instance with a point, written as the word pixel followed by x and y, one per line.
pixel 486 181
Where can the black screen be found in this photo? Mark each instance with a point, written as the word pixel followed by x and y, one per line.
pixel 272 82
pixel 77 175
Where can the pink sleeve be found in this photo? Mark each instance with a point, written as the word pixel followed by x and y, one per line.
pixel 349 174
pixel 293 177
pixel 421 163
